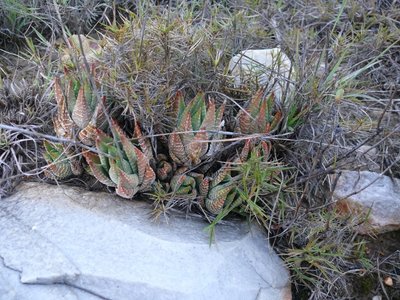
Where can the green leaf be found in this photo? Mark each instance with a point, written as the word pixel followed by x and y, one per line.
pixel 113 172
pixel 97 169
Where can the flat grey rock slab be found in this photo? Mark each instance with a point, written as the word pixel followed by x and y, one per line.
pixel 373 195
pixel 60 242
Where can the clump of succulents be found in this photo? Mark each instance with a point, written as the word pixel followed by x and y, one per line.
pixel 78 110
pixel 78 115
pixel 129 166
pixel 185 183
pixel 62 161
pixel 258 116
pixel 120 164
pixel 196 127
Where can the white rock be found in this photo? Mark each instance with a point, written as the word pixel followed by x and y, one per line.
pixel 90 245
pixel 266 67
pixel 368 192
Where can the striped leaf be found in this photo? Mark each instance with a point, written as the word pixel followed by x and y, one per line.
pixel 81 113
pixel 127 185
pixel 97 169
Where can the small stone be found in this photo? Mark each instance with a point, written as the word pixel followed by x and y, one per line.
pixel 370 195
pixel 264 67
pixel 388 281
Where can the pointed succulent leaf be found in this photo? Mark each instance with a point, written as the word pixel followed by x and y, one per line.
pixel 216 135
pixel 97 169
pixel 266 148
pixel 128 149
pixel 204 186
pixel 88 134
pixel 89 96
pixel 178 105
pixel 58 170
pixel 58 93
pixel 142 164
pixel 126 166
pixel 177 149
pixel 148 179
pixel 176 182
pixel 53 150
pixel 98 118
pixel 164 170
pixel 186 127
pixel 221 176
pixel 81 113
pixel 277 119
pixel 216 198
pixel 197 148
pixel 59 164
pixel 209 122
pixel 245 121
pixel 144 143
pixel 261 119
pixel 255 102
pixel 113 172
pixel 127 185
pixel 117 130
pixel 63 124
pixel 103 144
pixel 182 116
pixel 197 111
pixel 70 94
pixel 183 184
pixel 244 154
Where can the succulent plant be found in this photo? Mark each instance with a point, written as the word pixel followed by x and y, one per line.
pixel 185 183
pixel 120 164
pixel 78 111
pixel 164 168
pixel 197 125
pixel 215 190
pixel 61 161
pixel 262 150
pixel 258 116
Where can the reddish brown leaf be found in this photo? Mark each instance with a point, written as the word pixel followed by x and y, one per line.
pixel 127 185
pixel 245 121
pixel 216 198
pixel 88 134
pixel 144 143
pixel 142 164
pixel 204 186
pixel 81 113
pixel 148 179
pixel 198 147
pixel 58 91
pixel 177 149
